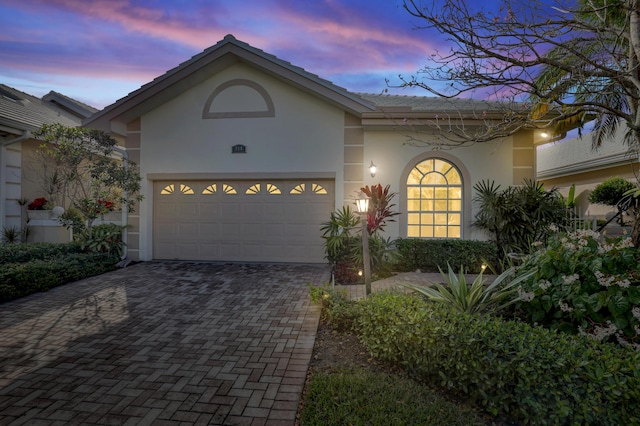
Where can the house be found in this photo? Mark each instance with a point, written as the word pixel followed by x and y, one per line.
pixel 573 161
pixel 244 155
pixel 21 114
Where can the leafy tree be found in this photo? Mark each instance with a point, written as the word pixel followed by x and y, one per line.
pixel 556 66
pixel 83 171
pixel 573 63
pixel 610 191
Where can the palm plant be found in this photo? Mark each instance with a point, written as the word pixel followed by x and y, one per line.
pixel 475 297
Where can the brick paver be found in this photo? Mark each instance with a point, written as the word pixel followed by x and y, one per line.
pixel 161 343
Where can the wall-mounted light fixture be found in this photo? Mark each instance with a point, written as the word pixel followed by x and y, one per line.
pixel 373 169
pixel 544 135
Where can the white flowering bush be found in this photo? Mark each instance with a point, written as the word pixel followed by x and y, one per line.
pixel 586 284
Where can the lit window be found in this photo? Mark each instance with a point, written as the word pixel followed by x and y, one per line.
pixel 434 200
pixel 318 189
pixel 228 189
pixel 211 189
pixel 298 189
pixel 315 189
pixel 273 189
pixel 167 190
pixel 253 189
pixel 170 189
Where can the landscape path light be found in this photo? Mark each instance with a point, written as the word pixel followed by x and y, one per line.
pixel 362 204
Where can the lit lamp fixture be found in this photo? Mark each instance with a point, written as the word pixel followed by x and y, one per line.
pixel 57 211
pixel 362 204
pixel 373 169
pixel 544 135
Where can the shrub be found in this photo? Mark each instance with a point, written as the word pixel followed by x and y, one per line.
pixel 587 284
pixel 340 311
pixel 610 191
pixel 16 253
pixel 433 255
pixel 527 373
pixel 105 238
pixel 518 215
pixel 21 279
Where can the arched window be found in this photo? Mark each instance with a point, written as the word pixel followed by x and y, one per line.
pixel 434 200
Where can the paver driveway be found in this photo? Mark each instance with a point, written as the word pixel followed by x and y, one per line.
pixel 161 343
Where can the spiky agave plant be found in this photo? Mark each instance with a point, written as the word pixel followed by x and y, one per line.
pixel 474 297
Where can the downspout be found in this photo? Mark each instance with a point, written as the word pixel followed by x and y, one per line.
pixel 26 134
pixel 125 214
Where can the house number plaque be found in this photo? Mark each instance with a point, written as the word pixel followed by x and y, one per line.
pixel 239 149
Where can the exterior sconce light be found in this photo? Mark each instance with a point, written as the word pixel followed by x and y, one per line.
pixel 57 211
pixel 373 169
pixel 544 135
pixel 362 204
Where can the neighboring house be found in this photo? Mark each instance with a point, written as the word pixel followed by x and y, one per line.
pixel 20 115
pixel 572 161
pixel 244 155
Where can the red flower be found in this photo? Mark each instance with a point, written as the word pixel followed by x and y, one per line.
pixel 37 204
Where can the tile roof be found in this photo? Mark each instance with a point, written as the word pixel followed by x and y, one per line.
pixel 430 103
pixel 21 111
pixel 246 52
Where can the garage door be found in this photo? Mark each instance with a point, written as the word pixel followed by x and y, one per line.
pixel 250 221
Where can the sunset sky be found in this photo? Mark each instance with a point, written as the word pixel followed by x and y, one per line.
pixel 97 51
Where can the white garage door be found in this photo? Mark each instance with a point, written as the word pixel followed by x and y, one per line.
pixel 249 221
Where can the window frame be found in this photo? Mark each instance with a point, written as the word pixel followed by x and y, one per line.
pixel 465 225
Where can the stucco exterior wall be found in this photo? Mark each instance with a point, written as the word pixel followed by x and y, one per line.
pixel 387 149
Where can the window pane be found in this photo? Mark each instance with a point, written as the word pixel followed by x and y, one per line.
pixel 413 205
pixel 426 219
pixel 441 205
pixel 454 219
pixel 455 205
pixel 427 205
pixel 427 192
pixel 414 177
pixel 441 193
pixel 440 232
pixel 453 177
pixel 413 219
pixel 454 232
pixel 455 193
pixel 425 167
pixel 441 219
pixel 413 192
pixel 413 231
pixel 434 179
pixel 426 231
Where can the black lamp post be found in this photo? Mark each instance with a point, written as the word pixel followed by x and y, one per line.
pixel 362 204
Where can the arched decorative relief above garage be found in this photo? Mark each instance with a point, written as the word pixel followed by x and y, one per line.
pixel 239 98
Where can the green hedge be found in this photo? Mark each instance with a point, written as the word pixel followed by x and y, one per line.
pixel 17 253
pixel 51 265
pixel 524 372
pixel 428 255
